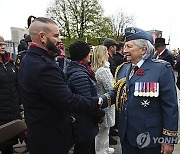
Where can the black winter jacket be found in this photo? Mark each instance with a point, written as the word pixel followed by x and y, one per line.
pixel 177 68
pixel 85 127
pixel 9 99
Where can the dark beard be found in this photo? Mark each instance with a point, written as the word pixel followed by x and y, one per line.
pixel 52 48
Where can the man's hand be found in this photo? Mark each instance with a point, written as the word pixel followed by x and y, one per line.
pixel 167 148
pixel 100 102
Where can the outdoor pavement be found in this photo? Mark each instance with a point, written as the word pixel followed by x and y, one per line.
pixel 21 148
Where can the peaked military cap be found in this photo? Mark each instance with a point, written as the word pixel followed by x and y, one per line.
pixel 132 33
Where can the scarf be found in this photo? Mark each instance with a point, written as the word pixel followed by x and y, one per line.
pixel 89 69
pixel 6 57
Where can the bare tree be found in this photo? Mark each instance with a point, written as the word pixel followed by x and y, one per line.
pixel 59 12
pixel 120 21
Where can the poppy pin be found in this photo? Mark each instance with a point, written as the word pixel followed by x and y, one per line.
pixel 140 72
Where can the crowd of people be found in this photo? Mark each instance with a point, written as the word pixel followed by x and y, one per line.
pixel 76 102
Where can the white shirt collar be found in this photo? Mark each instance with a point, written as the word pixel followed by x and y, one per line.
pixel 139 64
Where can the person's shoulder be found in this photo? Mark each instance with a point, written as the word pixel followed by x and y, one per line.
pixel 75 70
pixel 121 70
pixel 106 66
pixel 22 52
pixel 73 66
pixel 168 52
pixel 122 66
pixel 159 62
pixel 177 64
pixel 100 70
pixel 103 70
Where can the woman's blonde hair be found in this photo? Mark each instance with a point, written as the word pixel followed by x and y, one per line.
pixel 99 57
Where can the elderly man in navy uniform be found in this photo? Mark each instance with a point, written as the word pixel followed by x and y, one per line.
pixel 145 97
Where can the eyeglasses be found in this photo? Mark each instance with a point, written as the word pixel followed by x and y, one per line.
pixel 2 44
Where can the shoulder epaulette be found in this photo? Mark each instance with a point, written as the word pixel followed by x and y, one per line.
pixel 120 87
pixel 162 62
pixel 23 51
pixel 158 61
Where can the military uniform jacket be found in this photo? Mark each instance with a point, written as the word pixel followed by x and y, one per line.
pixel 48 102
pixel 156 115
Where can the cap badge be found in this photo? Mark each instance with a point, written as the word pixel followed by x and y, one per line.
pixel 132 30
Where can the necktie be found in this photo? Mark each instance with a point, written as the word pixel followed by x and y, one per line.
pixel 133 71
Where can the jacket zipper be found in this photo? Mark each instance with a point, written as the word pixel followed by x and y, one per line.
pixel 4 66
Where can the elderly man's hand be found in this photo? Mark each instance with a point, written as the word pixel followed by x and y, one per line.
pixel 167 148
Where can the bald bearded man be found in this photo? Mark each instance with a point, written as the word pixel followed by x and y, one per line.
pixel 46 97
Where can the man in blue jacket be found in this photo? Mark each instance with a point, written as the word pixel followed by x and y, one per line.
pixel 46 97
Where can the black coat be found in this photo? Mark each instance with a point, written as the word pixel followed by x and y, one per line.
pixel 112 64
pixel 167 56
pixel 9 99
pixel 177 68
pixel 47 101
pixel 118 58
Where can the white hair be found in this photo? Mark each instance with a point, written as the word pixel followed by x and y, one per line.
pixel 148 45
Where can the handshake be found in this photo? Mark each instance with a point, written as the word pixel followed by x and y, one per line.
pixel 100 102
pixel 100 117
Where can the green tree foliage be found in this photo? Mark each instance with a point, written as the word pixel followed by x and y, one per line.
pixel 59 13
pixel 80 19
pixel 84 20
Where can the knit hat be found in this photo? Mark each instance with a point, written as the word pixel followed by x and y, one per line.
pixel 28 38
pixel 79 50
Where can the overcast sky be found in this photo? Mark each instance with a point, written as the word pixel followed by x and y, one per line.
pixel 149 15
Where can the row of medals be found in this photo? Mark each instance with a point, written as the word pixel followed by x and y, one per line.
pixel 146 89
